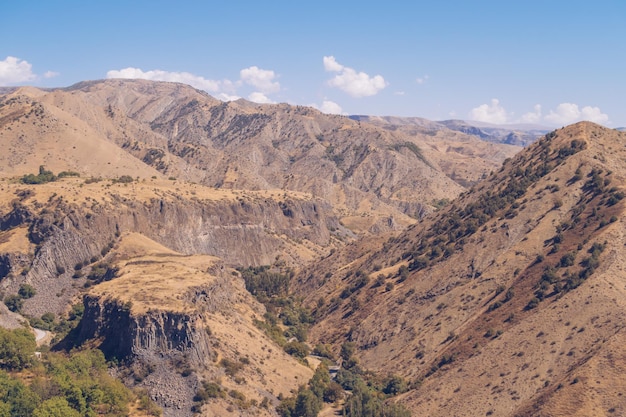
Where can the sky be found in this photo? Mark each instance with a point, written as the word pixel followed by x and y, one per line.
pixel 548 62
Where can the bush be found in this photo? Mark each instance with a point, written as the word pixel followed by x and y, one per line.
pixel 43 177
pixel 14 303
pixel 324 351
pixel 297 349
pixel 124 179
pixel 231 367
pixel 534 302
pixel 26 291
pixel 395 385
pixel 55 407
pixel 64 174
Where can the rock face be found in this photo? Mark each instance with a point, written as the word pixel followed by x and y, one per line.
pixel 159 341
pixel 253 229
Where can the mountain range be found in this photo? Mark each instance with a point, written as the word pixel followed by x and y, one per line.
pixel 479 265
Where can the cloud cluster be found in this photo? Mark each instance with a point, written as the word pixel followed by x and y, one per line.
pixel 563 114
pixel 533 116
pixel 566 113
pixel 260 98
pixel 330 107
pixel 196 81
pixel 356 84
pixel 14 71
pixel 490 113
pixel 264 81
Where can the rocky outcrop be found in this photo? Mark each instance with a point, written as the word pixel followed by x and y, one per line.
pixel 156 333
pixel 162 345
pixel 12 263
pixel 244 232
pixel 167 349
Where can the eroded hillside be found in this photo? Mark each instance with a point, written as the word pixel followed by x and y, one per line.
pixel 506 302
pixel 136 127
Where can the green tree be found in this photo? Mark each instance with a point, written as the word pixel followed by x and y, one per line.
pixel 5 409
pixel 55 407
pixel 21 399
pixel 307 404
pixel 297 349
pixel 347 350
pixel 17 348
pixel 333 392
pixel 320 381
pixel 395 385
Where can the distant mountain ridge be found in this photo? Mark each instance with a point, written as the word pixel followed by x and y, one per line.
pixel 511 134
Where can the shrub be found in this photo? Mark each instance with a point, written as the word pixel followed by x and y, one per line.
pixel 124 179
pixel 26 291
pixel 231 367
pixel 14 303
pixel 64 174
pixel 534 302
pixel 323 351
pixel 567 260
pixel 395 385
pixel 297 349
pixel 43 177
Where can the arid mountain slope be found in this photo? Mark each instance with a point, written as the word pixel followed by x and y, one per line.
pixel 361 169
pixel 508 301
pixel 33 133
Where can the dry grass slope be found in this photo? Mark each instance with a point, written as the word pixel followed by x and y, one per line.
pixel 503 302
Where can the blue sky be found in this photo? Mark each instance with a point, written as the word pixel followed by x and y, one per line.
pixel 549 62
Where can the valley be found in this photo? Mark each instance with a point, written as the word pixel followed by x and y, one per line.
pixel 211 247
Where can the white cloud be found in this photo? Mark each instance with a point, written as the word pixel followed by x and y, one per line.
pixel 356 84
pixel 566 113
pixel 262 79
pixel 534 116
pixel 490 113
pixel 399 93
pixel 226 90
pixel 50 74
pixel 228 97
pixel 563 114
pixel 331 64
pixel 259 97
pixel 14 70
pixel 178 77
pixel 422 80
pixel 330 107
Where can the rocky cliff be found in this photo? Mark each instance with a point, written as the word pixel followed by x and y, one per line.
pixel 67 230
pixel 177 322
